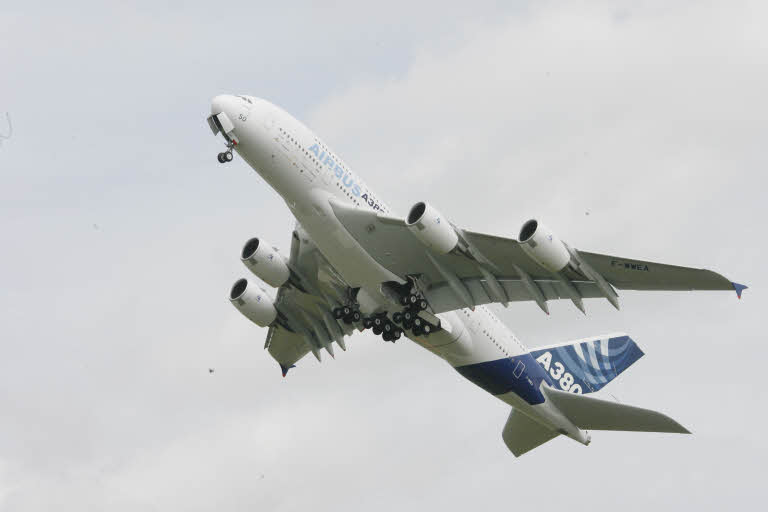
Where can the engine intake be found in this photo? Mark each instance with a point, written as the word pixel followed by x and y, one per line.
pixel 265 262
pixel 253 302
pixel 431 228
pixel 543 246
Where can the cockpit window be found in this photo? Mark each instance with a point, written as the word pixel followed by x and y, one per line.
pixel 246 98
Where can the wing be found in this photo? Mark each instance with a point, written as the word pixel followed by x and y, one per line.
pixel 494 269
pixel 305 305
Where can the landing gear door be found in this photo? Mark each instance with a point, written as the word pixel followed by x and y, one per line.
pixel 224 123
pixel 212 125
pixel 220 123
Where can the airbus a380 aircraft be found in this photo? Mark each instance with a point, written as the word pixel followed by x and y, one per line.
pixel 354 265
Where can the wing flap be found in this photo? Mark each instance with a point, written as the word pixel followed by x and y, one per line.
pixel 442 298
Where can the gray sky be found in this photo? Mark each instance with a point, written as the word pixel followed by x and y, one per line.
pixel 121 236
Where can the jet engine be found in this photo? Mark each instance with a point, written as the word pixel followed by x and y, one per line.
pixel 431 228
pixel 253 302
pixel 541 244
pixel 265 262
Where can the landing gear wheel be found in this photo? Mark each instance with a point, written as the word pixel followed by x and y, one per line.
pixel 387 336
pixel 378 322
pixel 367 323
pixel 396 334
pixel 397 317
pixel 337 313
pixel 418 322
pixel 221 158
pixel 407 316
pixel 423 304
pixel 413 299
pixel 417 331
pixel 356 316
pixel 376 330
pixel 387 327
pixel 228 156
pixel 346 310
pixel 404 300
pixel 427 329
pixel 407 324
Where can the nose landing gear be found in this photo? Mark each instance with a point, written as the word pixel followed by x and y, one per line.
pixel 225 157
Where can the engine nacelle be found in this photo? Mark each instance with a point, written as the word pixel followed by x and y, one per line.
pixel 541 244
pixel 431 228
pixel 253 302
pixel 266 263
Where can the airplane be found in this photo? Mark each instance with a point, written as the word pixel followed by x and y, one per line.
pixel 355 265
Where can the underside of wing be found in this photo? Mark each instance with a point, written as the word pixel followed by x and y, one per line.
pixel 442 297
pixel 465 269
pixel 631 274
pixel 303 320
pixel 286 347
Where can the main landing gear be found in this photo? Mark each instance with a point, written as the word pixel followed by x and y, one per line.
pixel 348 314
pixel 382 326
pixel 379 323
pixel 390 330
pixel 409 318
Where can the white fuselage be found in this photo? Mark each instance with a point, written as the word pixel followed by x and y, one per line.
pixel 308 174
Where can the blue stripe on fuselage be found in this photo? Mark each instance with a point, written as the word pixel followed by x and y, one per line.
pixel 500 376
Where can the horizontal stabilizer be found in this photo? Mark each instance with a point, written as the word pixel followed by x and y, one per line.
pixel 594 414
pixel 521 434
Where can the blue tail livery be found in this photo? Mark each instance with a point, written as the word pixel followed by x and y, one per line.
pixel 585 366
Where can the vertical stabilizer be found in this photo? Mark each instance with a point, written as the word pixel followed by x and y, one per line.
pixel 585 366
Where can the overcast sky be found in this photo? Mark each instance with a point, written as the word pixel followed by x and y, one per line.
pixel 639 131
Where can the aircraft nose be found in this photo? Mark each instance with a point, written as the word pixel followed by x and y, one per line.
pixel 219 103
